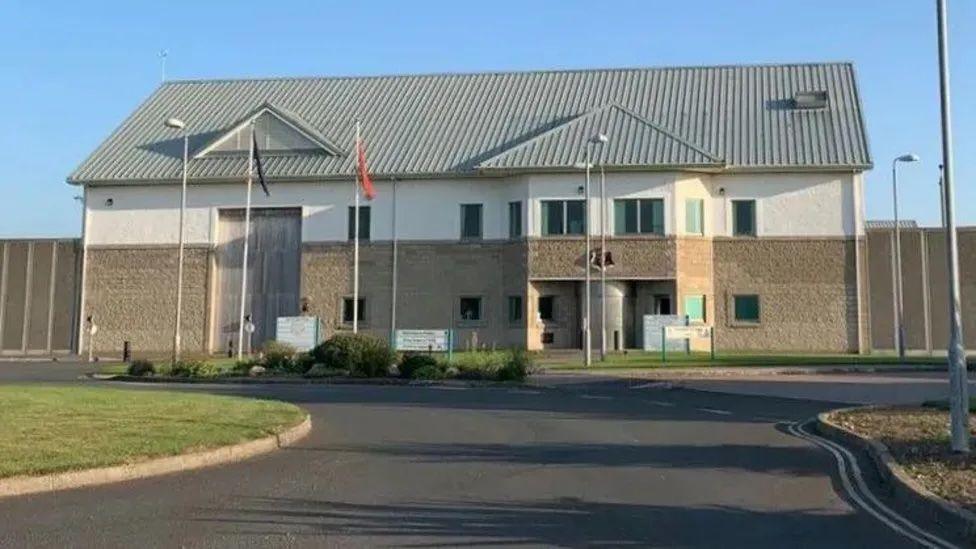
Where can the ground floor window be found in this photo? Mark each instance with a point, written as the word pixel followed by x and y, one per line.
pixel 347 310
pixel 514 309
pixel 470 308
pixel 695 308
pixel 547 308
pixel 746 308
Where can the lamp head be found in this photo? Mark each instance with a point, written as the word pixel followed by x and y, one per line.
pixel 910 157
pixel 582 165
pixel 599 139
pixel 175 123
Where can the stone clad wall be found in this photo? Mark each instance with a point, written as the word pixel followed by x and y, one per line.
pixel 807 289
pixel 635 257
pixel 131 293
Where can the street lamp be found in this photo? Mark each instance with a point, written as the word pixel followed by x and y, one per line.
pixel 602 139
pixel 588 166
pixel 899 306
pixel 178 124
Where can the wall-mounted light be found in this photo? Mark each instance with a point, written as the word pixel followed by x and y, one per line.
pixel 109 202
pixel 721 191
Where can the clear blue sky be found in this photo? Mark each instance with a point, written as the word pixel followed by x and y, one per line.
pixel 71 71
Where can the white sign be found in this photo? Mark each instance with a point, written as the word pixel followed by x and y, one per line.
pixel 422 340
pixel 687 332
pixel 301 332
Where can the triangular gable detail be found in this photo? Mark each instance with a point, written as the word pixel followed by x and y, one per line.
pixel 277 131
pixel 633 141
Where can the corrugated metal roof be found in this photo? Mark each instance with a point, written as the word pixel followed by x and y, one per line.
pixel 741 116
pixel 890 224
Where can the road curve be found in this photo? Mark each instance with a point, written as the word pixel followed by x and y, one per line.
pixel 593 464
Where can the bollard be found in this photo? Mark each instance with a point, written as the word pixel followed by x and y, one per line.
pixel 126 351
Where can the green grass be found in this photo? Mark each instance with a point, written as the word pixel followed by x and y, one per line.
pixel 641 359
pixel 51 429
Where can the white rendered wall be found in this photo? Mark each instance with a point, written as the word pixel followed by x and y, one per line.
pixel 787 205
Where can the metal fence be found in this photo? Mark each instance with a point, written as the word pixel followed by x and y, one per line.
pixel 39 283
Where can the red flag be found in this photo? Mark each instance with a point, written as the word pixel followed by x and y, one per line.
pixel 364 178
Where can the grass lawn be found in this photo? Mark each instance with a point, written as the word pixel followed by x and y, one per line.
pixel 46 429
pixel 643 359
pixel 918 439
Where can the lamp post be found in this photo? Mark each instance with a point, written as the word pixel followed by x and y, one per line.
pixel 602 139
pixel 958 386
pixel 178 124
pixel 899 307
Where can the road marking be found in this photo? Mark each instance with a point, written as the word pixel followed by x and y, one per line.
pixel 847 462
pixel 596 397
pixel 524 392
pixel 662 403
pixel 653 385
pixel 447 388
pixel 715 411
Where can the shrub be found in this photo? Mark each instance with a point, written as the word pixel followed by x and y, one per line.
pixel 243 366
pixel 479 365
pixel 206 369
pixel 361 355
pixel 321 370
pixel 141 367
pixel 517 368
pixel 279 356
pixel 185 368
pixel 429 371
pixel 411 362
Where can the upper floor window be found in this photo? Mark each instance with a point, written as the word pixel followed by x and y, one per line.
pixel 515 220
pixel 744 218
pixel 639 216
pixel 471 225
pixel 563 217
pixel 364 215
pixel 695 216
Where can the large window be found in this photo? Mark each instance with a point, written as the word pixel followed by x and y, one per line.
pixel 746 308
pixel 471 226
pixel 639 216
pixel 470 308
pixel 347 310
pixel 515 220
pixel 514 309
pixel 563 217
pixel 547 308
pixel 695 216
pixel 744 218
pixel 363 223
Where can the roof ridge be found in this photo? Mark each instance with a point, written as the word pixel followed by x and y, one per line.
pixel 506 72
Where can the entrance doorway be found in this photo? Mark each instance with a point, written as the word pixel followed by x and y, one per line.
pixel 273 273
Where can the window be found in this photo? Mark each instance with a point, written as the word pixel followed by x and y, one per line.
pixel 746 308
pixel 515 220
pixel 639 216
pixel 547 308
pixel 470 308
pixel 347 310
pixel 471 221
pixel 744 218
pixel 363 222
pixel 563 217
pixel 695 216
pixel 514 309
pixel 695 308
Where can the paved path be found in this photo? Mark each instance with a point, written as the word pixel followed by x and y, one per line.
pixel 592 463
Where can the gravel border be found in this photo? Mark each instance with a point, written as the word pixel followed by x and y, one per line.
pixel 904 488
pixel 23 485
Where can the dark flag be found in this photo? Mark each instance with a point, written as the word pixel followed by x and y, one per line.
pixel 257 162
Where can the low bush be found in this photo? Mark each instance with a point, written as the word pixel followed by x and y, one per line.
pixel 279 356
pixel 321 370
pixel 517 367
pixel 194 368
pixel 141 367
pixel 480 365
pixel 429 371
pixel 243 366
pixel 411 362
pixel 360 354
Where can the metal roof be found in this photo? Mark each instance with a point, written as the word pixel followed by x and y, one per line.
pixel 890 224
pixel 739 117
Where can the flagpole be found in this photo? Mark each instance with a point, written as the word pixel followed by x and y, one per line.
pixel 355 245
pixel 247 237
pixel 603 264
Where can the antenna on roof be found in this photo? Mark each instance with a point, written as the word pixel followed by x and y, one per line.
pixel 163 54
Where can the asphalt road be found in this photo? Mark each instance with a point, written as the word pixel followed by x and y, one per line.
pixel 585 463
